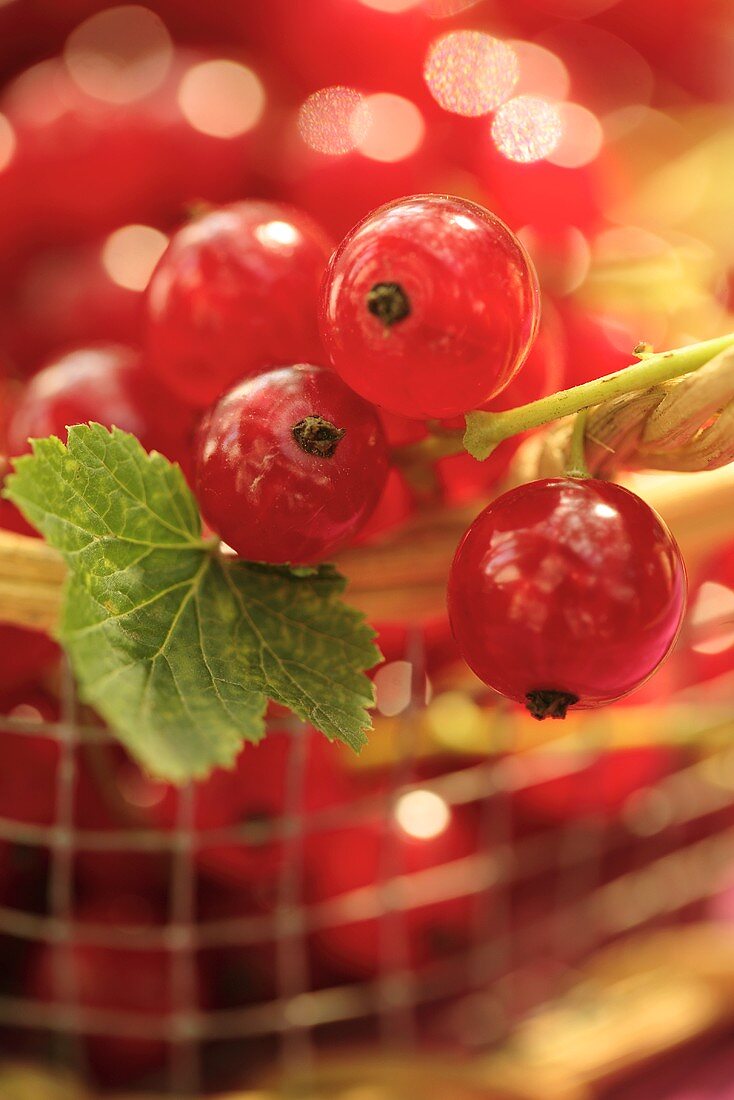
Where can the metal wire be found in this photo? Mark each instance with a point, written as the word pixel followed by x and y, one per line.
pixel 505 967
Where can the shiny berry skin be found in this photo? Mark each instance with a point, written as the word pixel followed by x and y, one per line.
pixel 85 165
pixel 235 293
pixel 566 592
pixel 109 384
pixel 430 306
pixel 289 465
pixel 461 477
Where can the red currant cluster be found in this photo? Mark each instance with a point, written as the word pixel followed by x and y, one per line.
pixel 290 381
pixel 565 593
pixel 276 373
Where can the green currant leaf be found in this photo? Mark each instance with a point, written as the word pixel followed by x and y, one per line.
pixel 178 647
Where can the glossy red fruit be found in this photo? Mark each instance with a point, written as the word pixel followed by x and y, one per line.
pixel 132 980
pixel 100 807
pixel 29 756
pixel 430 306
pixel 341 190
pixel 242 876
pixel 592 351
pixel 24 870
pixel 256 788
pixel 289 465
pixel 235 293
pixel 370 46
pixel 462 478
pixel 596 786
pixel 85 164
pixel 392 511
pixel 544 196
pixel 566 592
pixel 109 384
pixel 66 298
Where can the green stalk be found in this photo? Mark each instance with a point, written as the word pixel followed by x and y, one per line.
pixel 577 454
pixel 484 430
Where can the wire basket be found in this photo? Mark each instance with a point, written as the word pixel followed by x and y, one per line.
pixel 533 893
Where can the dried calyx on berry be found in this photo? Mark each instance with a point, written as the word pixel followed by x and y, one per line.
pixel 549 704
pixel 389 303
pixel 317 436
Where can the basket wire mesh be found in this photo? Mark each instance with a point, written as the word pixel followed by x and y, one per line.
pixel 680 830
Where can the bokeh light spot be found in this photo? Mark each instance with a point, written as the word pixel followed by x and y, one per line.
pixel 574 9
pixel 221 98
pixel 470 73
pixel 527 128
pixel 395 129
pixel 277 234
pixel 393 7
pixel 563 263
pixel 7 143
pixel 443 9
pixel 422 814
pixel 711 619
pixel 394 687
pixel 138 790
pixel 26 712
pixel 334 120
pixel 582 137
pixel 120 54
pixel 541 71
pixel 608 71
pixel 130 254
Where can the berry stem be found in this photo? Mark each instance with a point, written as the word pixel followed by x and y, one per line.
pixel 577 454
pixel 549 704
pixel 317 436
pixel 484 430
pixel 389 303
pixel 439 444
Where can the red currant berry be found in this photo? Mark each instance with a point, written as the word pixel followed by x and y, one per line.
pixel 66 298
pixel 102 803
pixel 594 788
pixel 591 351
pixel 426 835
pixel 460 477
pixel 125 979
pixel 289 465
pixel 340 190
pixel 28 758
pixel 566 592
pixel 109 384
pixel 430 306
pixel 543 195
pixel 357 44
pixel 86 164
pixel 235 293
pixel 394 508
pixel 242 875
